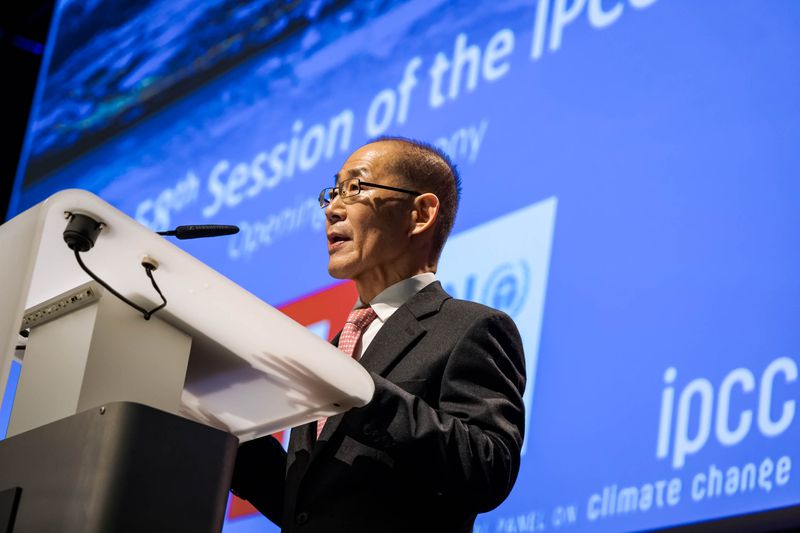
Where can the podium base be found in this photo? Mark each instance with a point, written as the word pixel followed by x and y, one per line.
pixel 121 467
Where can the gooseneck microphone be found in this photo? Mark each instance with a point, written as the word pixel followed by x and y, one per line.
pixel 197 232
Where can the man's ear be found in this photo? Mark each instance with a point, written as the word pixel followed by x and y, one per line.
pixel 425 213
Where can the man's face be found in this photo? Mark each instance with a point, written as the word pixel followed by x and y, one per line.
pixel 367 232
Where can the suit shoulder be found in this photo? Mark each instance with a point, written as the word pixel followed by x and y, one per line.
pixel 472 311
pixel 433 303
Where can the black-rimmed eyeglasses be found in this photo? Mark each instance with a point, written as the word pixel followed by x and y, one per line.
pixel 351 187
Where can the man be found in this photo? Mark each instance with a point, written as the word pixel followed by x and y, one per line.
pixel 440 440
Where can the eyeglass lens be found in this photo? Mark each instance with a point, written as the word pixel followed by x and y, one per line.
pixel 348 187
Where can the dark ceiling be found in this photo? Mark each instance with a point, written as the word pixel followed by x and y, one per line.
pixel 23 31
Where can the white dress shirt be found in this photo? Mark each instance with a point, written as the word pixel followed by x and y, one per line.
pixel 389 301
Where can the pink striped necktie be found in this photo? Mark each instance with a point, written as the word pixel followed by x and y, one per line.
pixel 357 323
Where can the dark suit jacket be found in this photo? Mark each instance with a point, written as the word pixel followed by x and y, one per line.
pixel 438 443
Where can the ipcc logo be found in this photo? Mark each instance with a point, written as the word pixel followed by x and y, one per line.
pixel 505 288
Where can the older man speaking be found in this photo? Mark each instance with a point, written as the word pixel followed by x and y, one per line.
pixel 440 440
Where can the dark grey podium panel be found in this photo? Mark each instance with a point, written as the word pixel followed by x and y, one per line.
pixel 121 468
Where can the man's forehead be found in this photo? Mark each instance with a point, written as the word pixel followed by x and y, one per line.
pixel 366 162
pixel 353 172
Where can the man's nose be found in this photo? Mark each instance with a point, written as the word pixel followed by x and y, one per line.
pixel 335 210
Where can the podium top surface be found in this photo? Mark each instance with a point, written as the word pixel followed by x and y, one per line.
pixel 252 370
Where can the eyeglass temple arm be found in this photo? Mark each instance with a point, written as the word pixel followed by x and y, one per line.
pixel 388 187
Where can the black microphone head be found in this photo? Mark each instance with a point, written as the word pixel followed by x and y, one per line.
pixel 207 230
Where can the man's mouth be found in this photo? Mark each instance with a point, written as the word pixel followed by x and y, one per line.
pixel 335 240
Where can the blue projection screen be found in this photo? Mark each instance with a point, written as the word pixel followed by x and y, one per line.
pixel 630 198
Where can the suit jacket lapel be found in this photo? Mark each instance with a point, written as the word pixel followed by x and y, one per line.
pixel 390 343
pixel 402 329
pixel 395 338
pixel 399 332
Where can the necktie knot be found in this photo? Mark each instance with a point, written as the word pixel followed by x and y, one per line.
pixel 361 318
pixel 357 321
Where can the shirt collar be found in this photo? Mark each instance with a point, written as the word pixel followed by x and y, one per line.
pixel 393 297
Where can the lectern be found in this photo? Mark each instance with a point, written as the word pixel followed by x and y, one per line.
pixel 122 423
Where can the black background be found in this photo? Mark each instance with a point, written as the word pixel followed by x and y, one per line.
pixel 23 26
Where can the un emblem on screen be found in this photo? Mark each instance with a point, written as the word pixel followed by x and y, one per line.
pixel 507 287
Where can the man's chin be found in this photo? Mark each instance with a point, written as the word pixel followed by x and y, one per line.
pixel 336 275
pixel 340 271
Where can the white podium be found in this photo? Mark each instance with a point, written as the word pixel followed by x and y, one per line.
pixel 250 370
pixel 126 424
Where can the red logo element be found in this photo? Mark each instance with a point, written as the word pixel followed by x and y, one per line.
pixel 238 508
pixel 331 306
